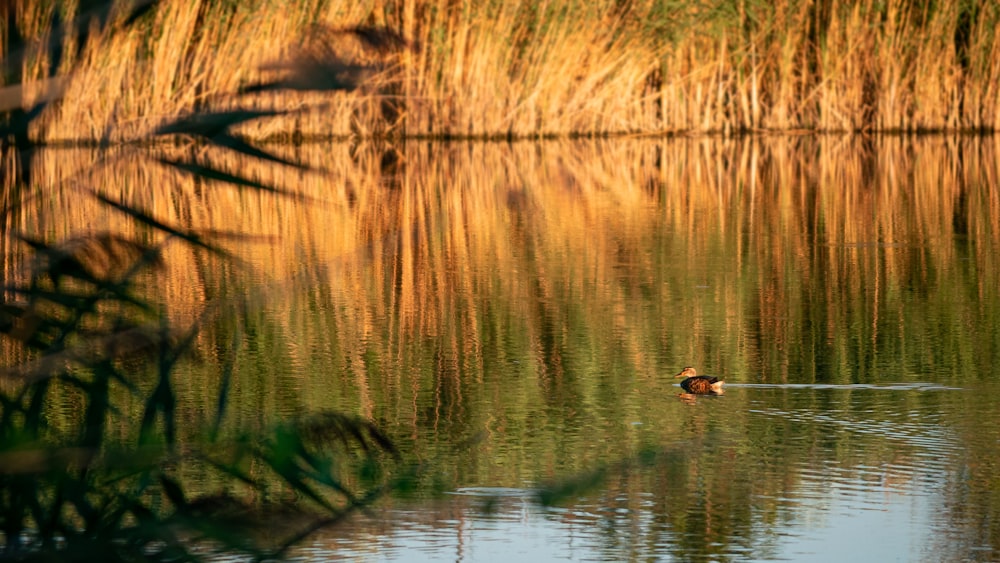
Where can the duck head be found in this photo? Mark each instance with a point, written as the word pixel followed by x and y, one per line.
pixel 686 372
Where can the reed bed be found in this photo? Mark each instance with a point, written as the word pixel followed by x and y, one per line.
pixel 529 69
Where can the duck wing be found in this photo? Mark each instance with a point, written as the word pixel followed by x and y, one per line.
pixel 700 384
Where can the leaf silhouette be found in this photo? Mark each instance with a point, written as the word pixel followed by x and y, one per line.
pixel 221 176
pixel 210 124
pixel 334 59
pixel 151 221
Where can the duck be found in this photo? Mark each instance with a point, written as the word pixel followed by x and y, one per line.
pixel 699 384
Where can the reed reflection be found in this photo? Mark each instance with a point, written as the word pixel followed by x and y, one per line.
pixel 515 312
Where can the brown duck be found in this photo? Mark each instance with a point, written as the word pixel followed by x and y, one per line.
pixel 699 384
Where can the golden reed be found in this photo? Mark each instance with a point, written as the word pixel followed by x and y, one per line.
pixel 526 69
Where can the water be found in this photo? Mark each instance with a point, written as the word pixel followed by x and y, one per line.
pixel 872 480
pixel 512 317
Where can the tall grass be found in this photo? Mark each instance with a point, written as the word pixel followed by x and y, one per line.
pixel 524 69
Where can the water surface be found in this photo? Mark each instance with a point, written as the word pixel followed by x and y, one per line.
pixel 512 316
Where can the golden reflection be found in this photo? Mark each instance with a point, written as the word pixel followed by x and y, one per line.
pixel 688 398
pixel 609 242
pixel 528 301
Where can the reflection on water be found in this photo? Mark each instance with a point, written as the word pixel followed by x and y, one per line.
pixel 832 531
pixel 868 481
pixel 513 315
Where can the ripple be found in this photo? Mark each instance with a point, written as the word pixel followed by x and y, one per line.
pixel 500 492
pixel 899 386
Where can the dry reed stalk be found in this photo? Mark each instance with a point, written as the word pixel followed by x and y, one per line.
pixel 195 54
pixel 685 99
pixel 937 73
pixel 845 74
pixel 893 59
pixel 489 69
pixel 503 70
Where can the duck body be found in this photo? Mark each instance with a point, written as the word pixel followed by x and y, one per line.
pixel 700 384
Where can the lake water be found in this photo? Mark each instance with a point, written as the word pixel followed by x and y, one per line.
pixel 798 473
pixel 512 317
